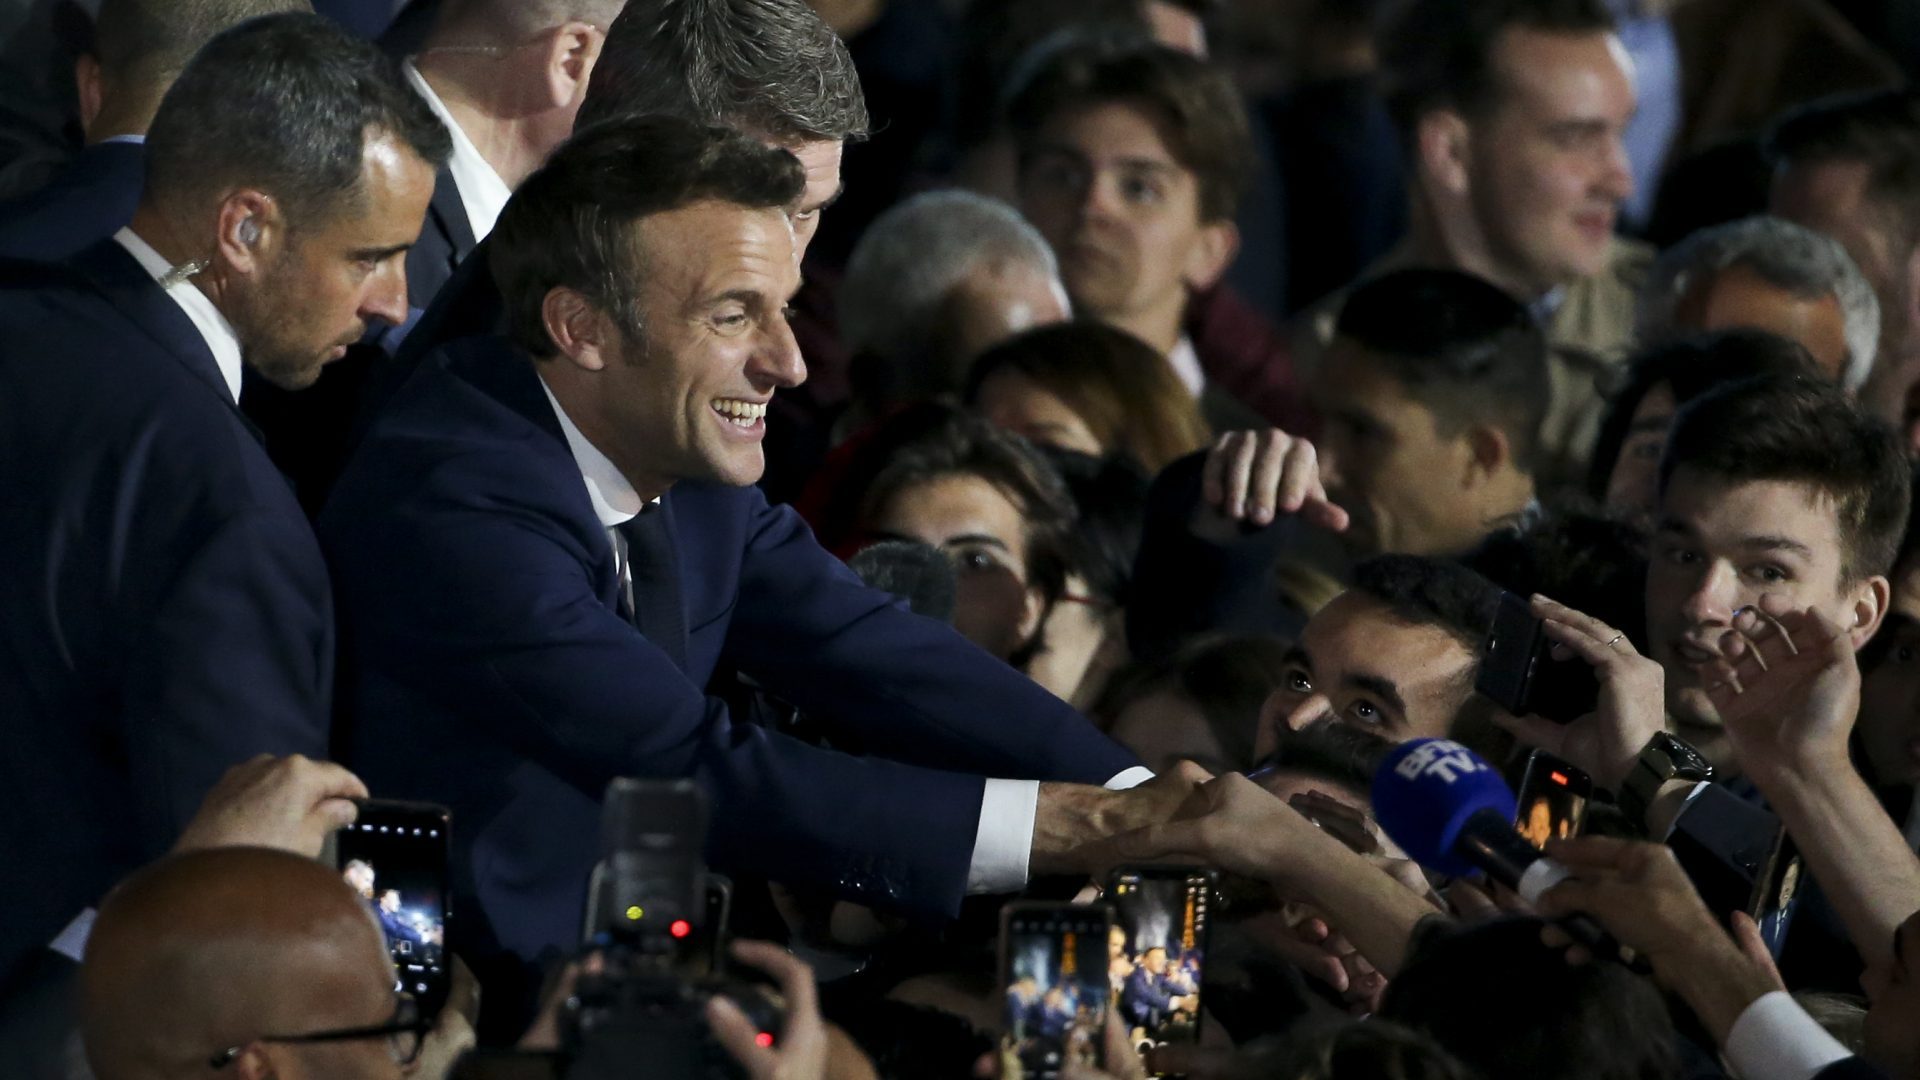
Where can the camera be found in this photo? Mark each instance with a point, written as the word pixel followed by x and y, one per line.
pixel 652 921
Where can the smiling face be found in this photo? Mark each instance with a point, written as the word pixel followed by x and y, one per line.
pixel 688 399
pixel 1362 665
pixel 1122 215
pixel 1719 546
pixel 984 533
pixel 316 287
pixel 1547 170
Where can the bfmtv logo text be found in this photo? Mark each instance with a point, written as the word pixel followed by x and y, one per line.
pixel 1443 760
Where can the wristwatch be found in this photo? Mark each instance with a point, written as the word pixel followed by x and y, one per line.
pixel 1664 758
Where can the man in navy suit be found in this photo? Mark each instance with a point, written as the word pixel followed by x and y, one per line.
pixel 169 612
pixel 139 46
pixel 506 78
pixel 547 543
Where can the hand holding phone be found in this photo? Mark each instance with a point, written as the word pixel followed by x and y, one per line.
pixel 1630 707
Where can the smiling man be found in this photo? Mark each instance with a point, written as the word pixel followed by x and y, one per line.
pixel 1777 486
pixel 549 541
pixel 1511 114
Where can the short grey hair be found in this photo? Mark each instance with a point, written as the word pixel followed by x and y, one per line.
pixel 1787 255
pixel 912 257
pixel 508 23
pixel 766 68
pixel 152 40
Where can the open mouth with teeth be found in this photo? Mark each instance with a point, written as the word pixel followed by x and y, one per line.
pixel 741 414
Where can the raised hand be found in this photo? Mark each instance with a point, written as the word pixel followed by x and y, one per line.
pixel 291 803
pixel 1253 476
pixel 1787 688
pixel 1632 704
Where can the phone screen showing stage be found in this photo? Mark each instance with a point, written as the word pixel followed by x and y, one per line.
pixel 1055 985
pixel 395 857
pixel 1157 957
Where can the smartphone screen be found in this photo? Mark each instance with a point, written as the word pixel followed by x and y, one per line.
pixel 1553 800
pixel 1055 985
pixel 1157 955
pixel 395 856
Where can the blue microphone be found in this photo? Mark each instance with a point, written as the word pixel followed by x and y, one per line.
pixel 1452 813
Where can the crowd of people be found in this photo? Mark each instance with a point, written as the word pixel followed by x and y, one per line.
pixel 984 445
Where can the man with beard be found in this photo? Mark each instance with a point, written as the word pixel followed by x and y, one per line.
pixel 1133 160
pixel 171 613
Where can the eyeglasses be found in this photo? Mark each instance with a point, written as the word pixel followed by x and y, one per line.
pixel 404 1034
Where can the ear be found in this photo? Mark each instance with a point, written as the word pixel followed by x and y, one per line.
pixel 1442 139
pixel 1869 605
pixel 570 57
pixel 579 330
pixel 1488 453
pixel 254 1063
pixel 1209 258
pixel 250 230
pixel 92 89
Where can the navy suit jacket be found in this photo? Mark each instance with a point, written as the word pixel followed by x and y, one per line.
pixel 83 205
pixel 487 667
pixel 167 612
pixel 446 238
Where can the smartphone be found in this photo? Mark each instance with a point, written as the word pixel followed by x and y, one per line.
pixel 1739 858
pixel 1553 800
pixel 395 855
pixel 1157 956
pixel 1518 671
pixel 1055 984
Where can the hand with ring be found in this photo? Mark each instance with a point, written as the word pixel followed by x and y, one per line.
pixel 1632 705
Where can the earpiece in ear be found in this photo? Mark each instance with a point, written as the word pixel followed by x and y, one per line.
pixel 247 233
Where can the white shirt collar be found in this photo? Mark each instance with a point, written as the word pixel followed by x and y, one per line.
pixel 1186 364
pixel 136 140
pixel 614 500
pixel 482 191
pixel 206 318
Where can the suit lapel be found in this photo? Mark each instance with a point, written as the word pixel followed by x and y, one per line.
pixel 119 277
pixel 449 215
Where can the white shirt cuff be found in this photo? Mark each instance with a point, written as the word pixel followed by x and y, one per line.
pixel 1004 841
pixel 1775 1039
pixel 72 942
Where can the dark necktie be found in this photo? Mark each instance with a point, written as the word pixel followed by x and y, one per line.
pixel 653 568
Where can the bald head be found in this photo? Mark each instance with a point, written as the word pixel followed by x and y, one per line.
pixel 140 47
pixel 212 949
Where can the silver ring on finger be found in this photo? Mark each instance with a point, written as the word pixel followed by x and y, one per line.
pixel 1614 640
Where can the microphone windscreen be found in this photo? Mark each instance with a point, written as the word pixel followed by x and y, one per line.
pixel 918 573
pixel 1424 793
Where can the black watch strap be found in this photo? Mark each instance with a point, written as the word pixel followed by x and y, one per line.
pixel 1664 758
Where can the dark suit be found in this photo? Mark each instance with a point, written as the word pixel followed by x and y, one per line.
pixel 1853 1068
pixel 446 238
pixel 86 203
pixel 491 669
pixel 167 610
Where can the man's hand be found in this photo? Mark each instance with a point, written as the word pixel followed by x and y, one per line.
pixel 1251 476
pixel 802 1050
pixel 1632 705
pixel 1074 823
pixel 291 803
pixel 1230 823
pixel 452 1034
pixel 1638 891
pixel 1787 688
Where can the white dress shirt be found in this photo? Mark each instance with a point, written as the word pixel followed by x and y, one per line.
pixel 482 191
pixel 1186 364
pixel 207 319
pixel 1004 840
pixel 1775 1039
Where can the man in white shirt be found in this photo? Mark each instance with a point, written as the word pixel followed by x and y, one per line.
pixel 170 613
pixel 506 77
